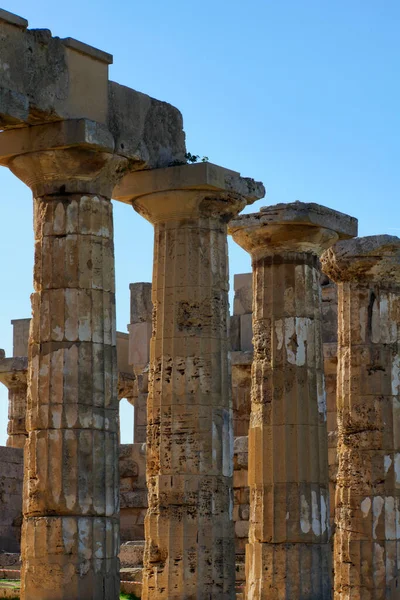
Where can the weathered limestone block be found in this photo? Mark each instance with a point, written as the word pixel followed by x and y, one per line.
pixel 189 550
pixel 20 336
pixel 13 374
pixel 70 533
pixel 289 554
pixel 47 79
pixel 367 271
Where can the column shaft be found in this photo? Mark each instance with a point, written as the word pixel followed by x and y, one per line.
pixel 289 552
pixel 189 549
pixel 70 533
pixel 368 485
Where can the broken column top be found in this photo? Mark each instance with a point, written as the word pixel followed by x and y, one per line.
pixel 298 226
pixel 203 183
pixel 49 79
pixel 374 258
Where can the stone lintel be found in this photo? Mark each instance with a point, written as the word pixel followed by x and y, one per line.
pixel 72 133
pixel 374 258
pixel 83 48
pixel 201 176
pixel 12 19
pixel 13 371
pixel 296 226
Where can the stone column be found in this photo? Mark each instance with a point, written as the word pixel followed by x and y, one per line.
pixel 140 329
pixel 13 376
pixel 329 341
pixel 189 550
pixel 289 554
pixel 367 549
pixel 70 536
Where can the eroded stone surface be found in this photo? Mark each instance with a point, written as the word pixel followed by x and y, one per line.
pixel 189 529
pixel 289 553
pixel 47 79
pixel 70 534
pixel 367 271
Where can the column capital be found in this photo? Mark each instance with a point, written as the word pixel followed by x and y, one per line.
pixel 72 156
pixel 188 191
pixel 13 371
pixel 370 259
pixel 292 227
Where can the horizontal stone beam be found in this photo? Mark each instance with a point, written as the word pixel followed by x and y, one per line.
pixel 60 134
pixel 46 79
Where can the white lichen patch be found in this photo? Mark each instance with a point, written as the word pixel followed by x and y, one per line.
pixel 324 514
pixel 377 506
pixel 69 531
pixel 279 333
pixel 378 569
pixel 390 518
pixel 304 515
pixel 316 520
pixel 396 375
pixel 387 461
pixel 321 395
pixel 365 507
pixel 385 319
pixel 297 335
pixel 397 469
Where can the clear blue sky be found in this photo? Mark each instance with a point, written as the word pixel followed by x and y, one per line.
pixel 303 95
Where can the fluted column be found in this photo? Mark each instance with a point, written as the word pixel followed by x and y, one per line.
pixel 70 535
pixel 367 540
pixel 288 555
pixel 189 552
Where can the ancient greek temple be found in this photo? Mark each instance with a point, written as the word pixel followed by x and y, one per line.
pixel 265 462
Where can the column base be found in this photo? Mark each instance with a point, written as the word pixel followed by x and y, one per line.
pixel 365 569
pixel 288 571
pixel 208 576
pixel 70 558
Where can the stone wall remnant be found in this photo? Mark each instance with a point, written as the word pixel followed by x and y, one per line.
pixel 189 529
pixel 289 552
pixel 366 558
pixel 11 476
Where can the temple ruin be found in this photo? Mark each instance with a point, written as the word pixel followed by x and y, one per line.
pixel 265 461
